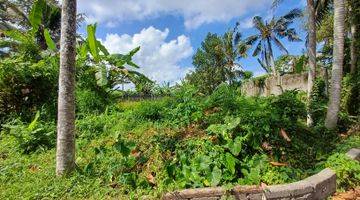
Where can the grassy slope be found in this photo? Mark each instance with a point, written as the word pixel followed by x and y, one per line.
pixel 33 176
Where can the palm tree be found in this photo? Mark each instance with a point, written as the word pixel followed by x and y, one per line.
pixel 230 45
pixel 270 33
pixel 65 147
pixel 311 52
pixel 316 11
pixel 354 15
pixel 337 68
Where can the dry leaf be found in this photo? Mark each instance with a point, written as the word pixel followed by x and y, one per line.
pixel 284 135
pixel 135 153
pixel 278 164
pixel 33 168
pixel 266 146
pixel 151 179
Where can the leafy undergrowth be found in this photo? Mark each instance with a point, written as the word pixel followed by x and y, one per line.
pixel 144 149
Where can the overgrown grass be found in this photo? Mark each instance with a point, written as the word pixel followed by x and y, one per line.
pixel 143 149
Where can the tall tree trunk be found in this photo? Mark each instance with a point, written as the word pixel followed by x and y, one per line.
pixel 337 68
pixel 65 147
pixel 311 54
pixel 353 54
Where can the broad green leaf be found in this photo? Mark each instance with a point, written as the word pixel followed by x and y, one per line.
pixel 17 35
pixel 92 42
pixel 233 123
pixel 101 75
pixel 33 123
pixel 83 51
pixel 36 14
pixel 236 145
pixel 230 162
pixel 216 176
pixel 134 51
pixel 49 42
pixel 131 63
pixel 204 162
pixel 102 48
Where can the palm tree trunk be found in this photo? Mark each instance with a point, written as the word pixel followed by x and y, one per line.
pixel 311 54
pixel 65 148
pixel 353 54
pixel 337 68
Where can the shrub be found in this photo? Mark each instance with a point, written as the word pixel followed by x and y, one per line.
pixel 152 110
pixel 32 137
pixel 347 170
pixel 223 97
pixel 90 101
pixel 317 104
pixel 289 107
pixel 185 107
pixel 26 86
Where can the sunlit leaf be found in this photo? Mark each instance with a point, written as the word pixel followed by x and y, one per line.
pixel 101 75
pixel 216 176
pixel 92 42
pixel 36 14
pixel 230 162
pixel 33 123
pixel 49 42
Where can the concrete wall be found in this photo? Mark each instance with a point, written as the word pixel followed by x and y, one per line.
pixel 316 187
pixel 271 86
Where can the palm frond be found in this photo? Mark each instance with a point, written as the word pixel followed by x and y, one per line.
pixel 251 40
pixel 257 49
pixel 264 66
pixel 280 45
pixel 259 23
pixel 293 14
pixel 237 38
pixel 292 35
pixel 322 8
pixel 276 3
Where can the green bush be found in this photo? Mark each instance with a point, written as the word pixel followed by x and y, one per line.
pixel 152 110
pixel 186 106
pixel 32 137
pixel 90 101
pixel 318 103
pixel 27 86
pixel 347 170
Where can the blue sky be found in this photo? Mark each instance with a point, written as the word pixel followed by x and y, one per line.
pixel 170 31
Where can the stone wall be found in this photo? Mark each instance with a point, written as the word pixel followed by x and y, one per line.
pixel 316 187
pixel 271 86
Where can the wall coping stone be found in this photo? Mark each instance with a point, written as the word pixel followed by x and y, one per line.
pixel 316 187
pixel 354 154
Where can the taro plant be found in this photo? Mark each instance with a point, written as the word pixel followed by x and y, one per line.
pixel 32 137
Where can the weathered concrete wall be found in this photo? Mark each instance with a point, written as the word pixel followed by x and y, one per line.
pixel 271 86
pixel 354 154
pixel 316 187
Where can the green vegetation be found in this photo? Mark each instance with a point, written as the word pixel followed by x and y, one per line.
pixel 142 148
pixel 201 132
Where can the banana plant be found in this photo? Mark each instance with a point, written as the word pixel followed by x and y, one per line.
pixel 111 69
pixel 37 34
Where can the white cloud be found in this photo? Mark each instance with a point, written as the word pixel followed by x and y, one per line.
pixel 157 58
pixel 195 12
pixel 246 23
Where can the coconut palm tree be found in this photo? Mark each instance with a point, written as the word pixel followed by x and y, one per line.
pixel 270 33
pixel 65 147
pixel 354 15
pixel 316 11
pixel 337 68
pixel 311 52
